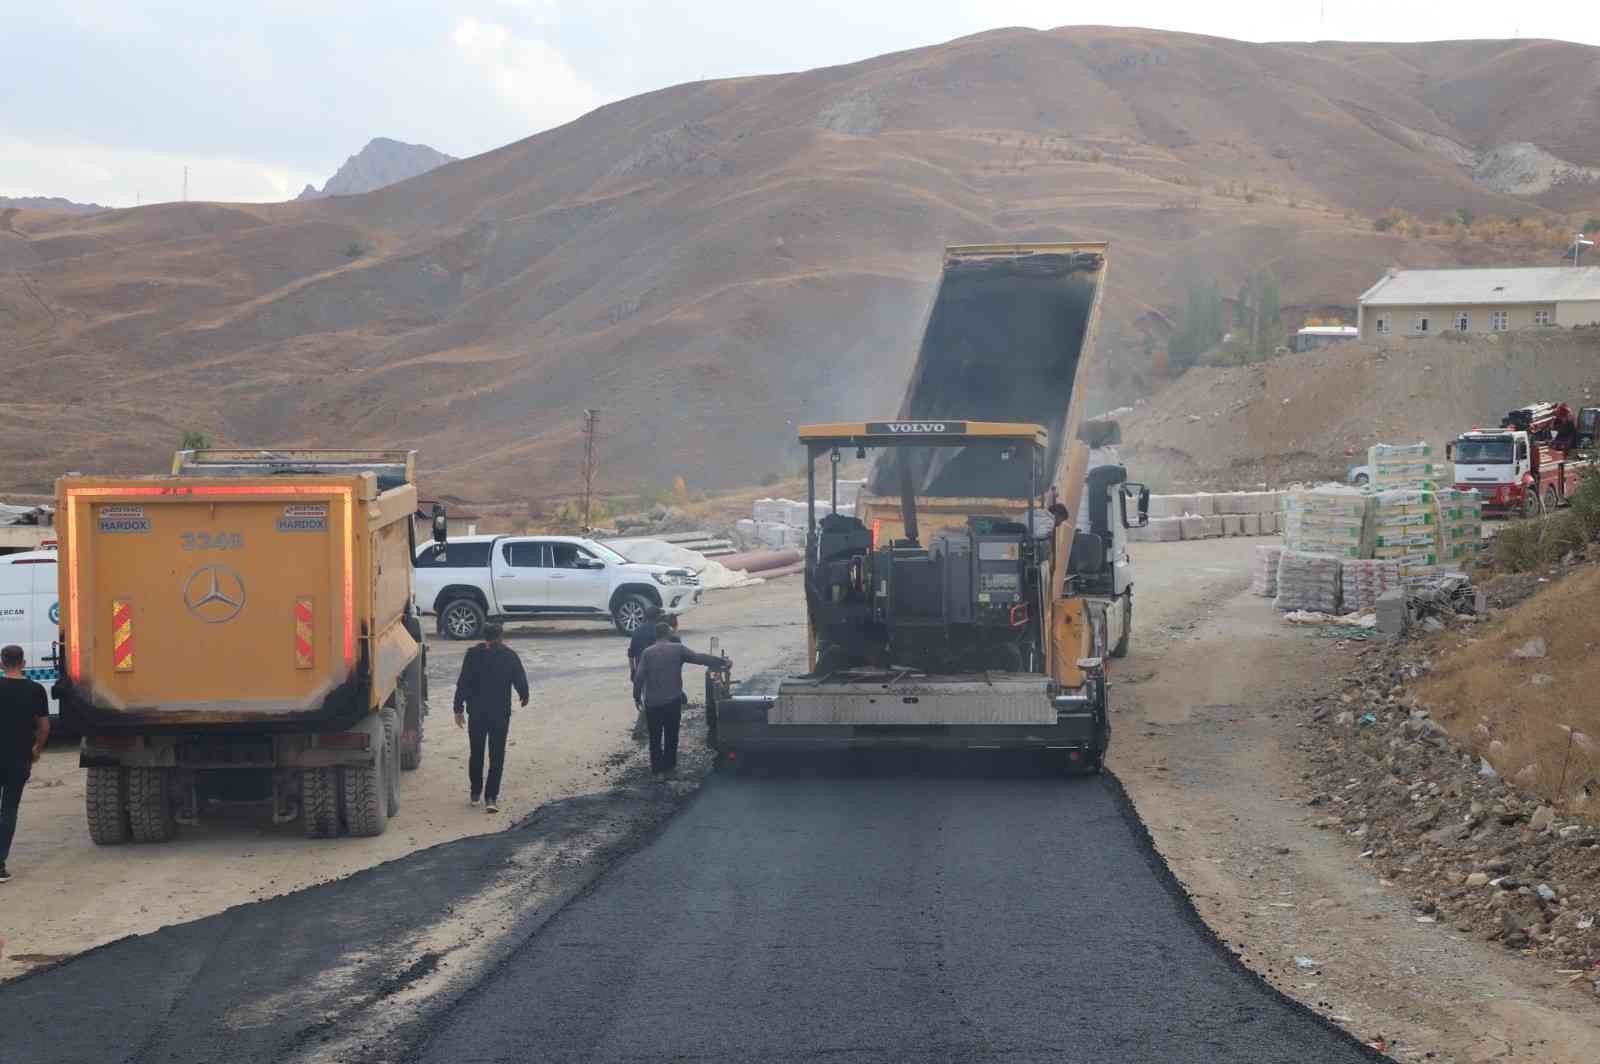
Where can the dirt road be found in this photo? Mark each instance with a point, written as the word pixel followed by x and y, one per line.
pixel 1208 750
pixel 70 895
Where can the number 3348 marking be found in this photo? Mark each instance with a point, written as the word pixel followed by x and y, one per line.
pixel 213 541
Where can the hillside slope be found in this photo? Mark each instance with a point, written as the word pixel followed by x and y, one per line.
pixel 1311 416
pixel 712 263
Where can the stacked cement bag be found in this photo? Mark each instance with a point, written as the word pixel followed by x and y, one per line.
pixel 1414 465
pixel 1406 528
pixel 1330 519
pixel 1460 527
pixel 1363 580
pixel 1308 581
pixel 1264 576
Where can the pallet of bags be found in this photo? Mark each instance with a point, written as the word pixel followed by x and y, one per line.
pixel 1391 466
pixel 1264 574
pixel 1404 521
pixel 1330 519
pixel 1308 581
pixel 1361 581
pixel 1460 526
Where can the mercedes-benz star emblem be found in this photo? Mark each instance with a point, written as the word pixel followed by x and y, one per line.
pixel 214 593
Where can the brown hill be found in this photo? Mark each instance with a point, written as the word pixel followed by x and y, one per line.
pixel 712 263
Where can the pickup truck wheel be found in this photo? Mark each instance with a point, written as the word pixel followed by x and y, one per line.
pixel 365 799
pixel 391 752
pixel 150 812
pixel 630 612
pixel 319 802
pixel 105 807
pixel 1121 649
pixel 461 619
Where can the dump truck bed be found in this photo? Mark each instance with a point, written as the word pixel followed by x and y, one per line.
pixel 233 600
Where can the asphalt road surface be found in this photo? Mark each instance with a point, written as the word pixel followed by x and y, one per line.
pixel 921 918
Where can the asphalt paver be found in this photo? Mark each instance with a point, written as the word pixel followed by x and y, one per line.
pixel 909 918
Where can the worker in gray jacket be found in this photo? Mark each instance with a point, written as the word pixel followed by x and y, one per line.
pixel 658 686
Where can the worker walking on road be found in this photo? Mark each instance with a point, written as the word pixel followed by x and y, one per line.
pixel 24 728
pixel 643 639
pixel 658 687
pixel 489 672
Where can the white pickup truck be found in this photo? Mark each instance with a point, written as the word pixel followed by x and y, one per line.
pixel 474 579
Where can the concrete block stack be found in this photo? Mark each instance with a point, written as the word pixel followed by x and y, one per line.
pixel 1234 513
pixel 1363 580
pixel 1264 574
pixel 1413 466
pixel 1330 519
pixel 1308 581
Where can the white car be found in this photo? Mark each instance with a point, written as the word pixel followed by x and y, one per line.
pixel 29 614
pixel 473 579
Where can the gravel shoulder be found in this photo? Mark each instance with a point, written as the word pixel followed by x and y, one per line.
pixel 70 895
pixel 1211 749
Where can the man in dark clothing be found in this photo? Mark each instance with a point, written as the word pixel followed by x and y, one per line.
pixel 24 727
pixel 658 686
pixel 488 673
pixel 643 639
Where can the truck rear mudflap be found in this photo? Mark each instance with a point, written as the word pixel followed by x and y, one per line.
pixel 944 713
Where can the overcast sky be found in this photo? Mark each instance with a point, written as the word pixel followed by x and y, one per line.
pixel 106 100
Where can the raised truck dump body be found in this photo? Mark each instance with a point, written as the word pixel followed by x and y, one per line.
pixel 242 630
pixel 988 629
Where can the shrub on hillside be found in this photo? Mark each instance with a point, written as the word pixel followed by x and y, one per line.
pixel 1524 545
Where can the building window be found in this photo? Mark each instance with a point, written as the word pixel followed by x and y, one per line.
pixel 1499 320
pixel 1383 325
pixel 1463 323
pixel 1420 324
pixel 1541 317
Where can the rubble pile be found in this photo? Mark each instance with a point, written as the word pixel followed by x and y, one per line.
pixel 1475 852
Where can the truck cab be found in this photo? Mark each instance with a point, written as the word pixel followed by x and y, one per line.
pixel 1498 465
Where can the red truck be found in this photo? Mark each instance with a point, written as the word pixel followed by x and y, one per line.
pixel 1531 464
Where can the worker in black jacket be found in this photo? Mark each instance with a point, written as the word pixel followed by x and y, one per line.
pixel 489 672
pixel 658 686
pixel 642 639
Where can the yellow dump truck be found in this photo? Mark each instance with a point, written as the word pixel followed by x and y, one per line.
pixel 961 606
pixel 242 631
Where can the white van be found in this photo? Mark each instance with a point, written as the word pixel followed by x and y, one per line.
pixel 29 614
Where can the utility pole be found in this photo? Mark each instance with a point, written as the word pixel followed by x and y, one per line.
pixel 591 462
pixel 186 184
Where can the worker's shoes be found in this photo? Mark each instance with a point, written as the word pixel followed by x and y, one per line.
pixel 472 799
pixel 491 806
pixel 5 877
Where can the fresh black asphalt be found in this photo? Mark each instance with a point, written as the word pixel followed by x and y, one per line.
pixel 847 918
pixel 909 919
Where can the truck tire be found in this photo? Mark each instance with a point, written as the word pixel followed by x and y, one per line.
pixel 413 691
pixel 319 802
pixel 461 619
pixel 106 808
pixel 391 750
pixel 150 813
pixel 1121 649
pixel 629 612
pixel 365 799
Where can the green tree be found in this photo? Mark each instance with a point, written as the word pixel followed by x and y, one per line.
pixel 1464 216
pixel 1259 315
pixel 1199 325
pixel 194 440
